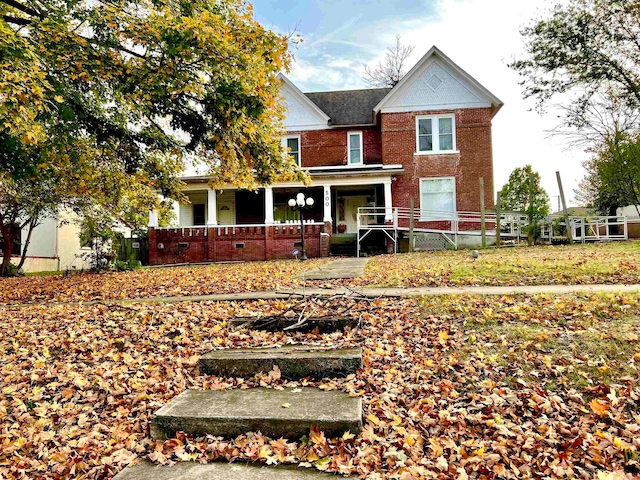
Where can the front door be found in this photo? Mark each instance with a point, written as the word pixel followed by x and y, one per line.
pixel 226 208
pixel 351 205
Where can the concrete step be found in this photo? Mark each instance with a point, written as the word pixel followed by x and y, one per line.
pixel 288 413
pixel 278 324
pixel 294 361
pixel 219 471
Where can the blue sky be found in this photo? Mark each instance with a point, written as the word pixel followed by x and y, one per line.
pixel 481 36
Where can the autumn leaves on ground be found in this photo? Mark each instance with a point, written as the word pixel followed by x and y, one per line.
pixel 453 386
pixel 615 263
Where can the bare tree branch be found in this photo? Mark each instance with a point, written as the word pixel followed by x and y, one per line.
pixel 389 72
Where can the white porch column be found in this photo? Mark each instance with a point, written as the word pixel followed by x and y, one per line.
pixel 326 203
pixel 268 206
pixel 212 207
pixel 388 203
pixel 153 218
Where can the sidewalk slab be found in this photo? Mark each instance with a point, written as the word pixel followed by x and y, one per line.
pixel 288 413
pixel 338 269
pixel 294 361
pixel 219 471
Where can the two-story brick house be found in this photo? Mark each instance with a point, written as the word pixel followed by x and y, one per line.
pixel 428 138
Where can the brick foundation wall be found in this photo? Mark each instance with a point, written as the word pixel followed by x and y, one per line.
pixel 474 160
pixel 222 244
pixel 322 148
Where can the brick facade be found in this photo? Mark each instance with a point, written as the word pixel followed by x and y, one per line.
pixel 474 160
pixel 324 148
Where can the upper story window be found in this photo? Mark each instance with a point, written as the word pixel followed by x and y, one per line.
pixel 355 147
pixel 292 144
pixel 435 134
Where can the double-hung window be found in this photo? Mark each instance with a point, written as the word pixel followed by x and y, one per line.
pixel 437 198
pixel 292 145
pixel 354 141
pixel 435 134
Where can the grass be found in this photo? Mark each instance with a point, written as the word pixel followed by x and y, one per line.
pixel 577 343
pixel 578 264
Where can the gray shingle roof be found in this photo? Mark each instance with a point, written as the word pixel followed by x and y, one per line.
pixel 349 107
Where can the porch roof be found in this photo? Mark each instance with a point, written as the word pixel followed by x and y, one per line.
pixel 341 171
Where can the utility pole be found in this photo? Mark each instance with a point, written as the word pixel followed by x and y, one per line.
pixel 498 213
pixel 483 226
pixel 564 208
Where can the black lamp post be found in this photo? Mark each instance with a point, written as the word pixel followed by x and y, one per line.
pixel 300 203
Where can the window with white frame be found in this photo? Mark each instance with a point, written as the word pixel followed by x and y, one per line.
pixel 437 198
pixel 354 140
pixel 292 144
pixel 435 134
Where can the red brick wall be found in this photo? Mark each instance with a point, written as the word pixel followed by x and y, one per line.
pixel 194 239
pixel 473 141
pixel 219 244
pixel 329 147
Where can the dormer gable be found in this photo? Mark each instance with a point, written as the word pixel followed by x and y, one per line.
pixel 301 113
pixel 437 83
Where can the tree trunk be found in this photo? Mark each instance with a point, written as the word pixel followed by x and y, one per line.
pixel 32 225
pixel 8 240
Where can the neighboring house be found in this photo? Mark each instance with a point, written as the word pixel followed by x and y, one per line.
pixel 633 219
pixel 54 246
pixel 427 139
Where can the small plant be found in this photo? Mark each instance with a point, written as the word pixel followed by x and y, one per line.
pixel 13 271
pixel 98 232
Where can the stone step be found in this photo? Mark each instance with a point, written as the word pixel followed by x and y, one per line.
pixel 219 471
pixel 288 413
pixel 294 361
pixel 279 324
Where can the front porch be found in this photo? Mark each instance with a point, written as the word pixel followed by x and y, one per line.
pixel 240 225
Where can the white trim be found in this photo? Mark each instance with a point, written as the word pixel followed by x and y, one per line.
pixel 435 134
pixel 448 63
pixel 455 199
pixel 442 152
pixel 305 128
pixel 297 137
pixel 349 134
pixel 428 108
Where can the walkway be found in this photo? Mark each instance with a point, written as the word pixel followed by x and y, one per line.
pixel 388 292
pixel 338 269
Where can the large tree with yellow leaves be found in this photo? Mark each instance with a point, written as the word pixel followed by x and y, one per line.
pixel 110 98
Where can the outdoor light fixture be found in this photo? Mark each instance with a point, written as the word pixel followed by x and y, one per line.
pixel 475 255
pixel 300 203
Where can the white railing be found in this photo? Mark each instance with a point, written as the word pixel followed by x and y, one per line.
pixel 512 224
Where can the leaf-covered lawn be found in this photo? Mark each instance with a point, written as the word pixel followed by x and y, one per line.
pixel 157 282
pixel 453 387
pixel 542 265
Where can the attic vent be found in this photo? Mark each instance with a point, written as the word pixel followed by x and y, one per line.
pixel 434 82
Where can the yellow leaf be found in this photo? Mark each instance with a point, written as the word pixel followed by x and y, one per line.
pixel 59 99
pixel 348 435
pixel 598 407
pixel 373 419
pixel 285 405
pixel 443 335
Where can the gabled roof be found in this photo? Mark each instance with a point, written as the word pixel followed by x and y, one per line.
pixel 301 97
pixel 435 52
pixel 349 107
